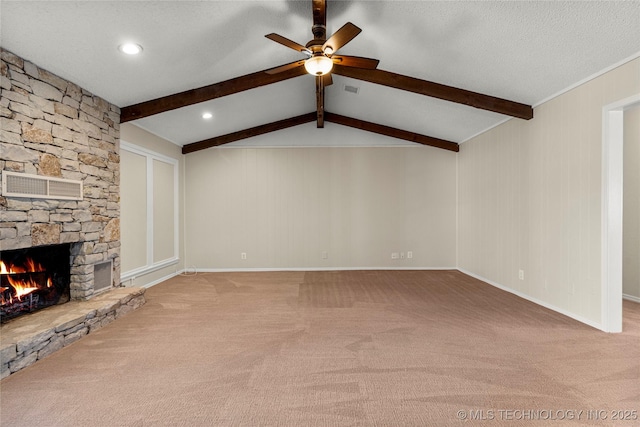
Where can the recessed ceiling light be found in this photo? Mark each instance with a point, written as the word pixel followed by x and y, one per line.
pixel 207 115
pixel 130 48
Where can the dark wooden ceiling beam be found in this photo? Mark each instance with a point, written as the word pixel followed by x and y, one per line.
pixel 206 93
pixel 248 133
pixel 392 132
pixel 437 90
pixel 329 117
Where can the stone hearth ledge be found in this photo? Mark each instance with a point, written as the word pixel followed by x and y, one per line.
pixel 31 337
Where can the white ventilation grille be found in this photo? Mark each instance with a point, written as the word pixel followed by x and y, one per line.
pixel 351 89
pixel 41 187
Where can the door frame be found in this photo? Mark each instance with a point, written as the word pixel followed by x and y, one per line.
pixel 612 204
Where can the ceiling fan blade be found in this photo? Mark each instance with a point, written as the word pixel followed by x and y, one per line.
pixel 355 61
pixel 328 80
pixel 437 90
pixel 285 67
pixel 320 101
pixel 341 37
pixel 288 43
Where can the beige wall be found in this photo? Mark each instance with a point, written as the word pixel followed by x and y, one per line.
pixel 283 207
pixel 631 213
pixel 134 226
pixel 530 198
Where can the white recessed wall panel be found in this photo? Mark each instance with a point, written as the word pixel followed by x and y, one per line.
pixel 151 205
pixel 163 211
pixel 133 210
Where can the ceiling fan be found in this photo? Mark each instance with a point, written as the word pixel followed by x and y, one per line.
pixel 321 61
pixel 320 53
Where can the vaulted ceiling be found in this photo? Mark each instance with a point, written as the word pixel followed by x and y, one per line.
pixel 462 67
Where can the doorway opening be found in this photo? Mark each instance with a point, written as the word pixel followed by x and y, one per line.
pixel 612 207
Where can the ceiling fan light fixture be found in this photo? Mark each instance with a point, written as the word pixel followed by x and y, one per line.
pixel 318 65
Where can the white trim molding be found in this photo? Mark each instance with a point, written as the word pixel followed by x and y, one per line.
pixel 152 265
pixel 612 176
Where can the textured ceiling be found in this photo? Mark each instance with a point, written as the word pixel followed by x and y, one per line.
pixel 524 51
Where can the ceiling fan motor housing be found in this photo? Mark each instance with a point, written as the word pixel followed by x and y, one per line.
pixel 315 46
pixel 319 32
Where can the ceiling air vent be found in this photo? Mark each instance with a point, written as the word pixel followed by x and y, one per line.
pixel 40 187
pixel 351 89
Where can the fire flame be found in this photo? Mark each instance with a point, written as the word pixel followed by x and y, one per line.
pixel 30 266
pixel 21 286
pixel 24 287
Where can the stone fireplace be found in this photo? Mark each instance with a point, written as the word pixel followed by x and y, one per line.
pixel 52 127
pixel 59 137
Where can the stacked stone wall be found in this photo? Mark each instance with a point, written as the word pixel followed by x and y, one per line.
pixel 24 342
pixel 50 126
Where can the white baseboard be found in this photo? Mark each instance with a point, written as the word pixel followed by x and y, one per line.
pixel 544 304
pixel 162 279
pixel 259 269
pixel 155 282
pixel 631 298
pixel 133 274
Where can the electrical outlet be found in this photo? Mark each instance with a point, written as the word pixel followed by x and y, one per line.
pixel 401 255
pixel 409 254
pixel 521 274
pixel 394 255
pixel 243 255
pixel 325 255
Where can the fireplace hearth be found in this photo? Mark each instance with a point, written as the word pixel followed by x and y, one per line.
pixel 33 278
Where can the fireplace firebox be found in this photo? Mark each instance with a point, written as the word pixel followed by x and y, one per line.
pixel 33 278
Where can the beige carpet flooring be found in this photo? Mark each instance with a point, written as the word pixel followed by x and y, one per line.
pixel 350 348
